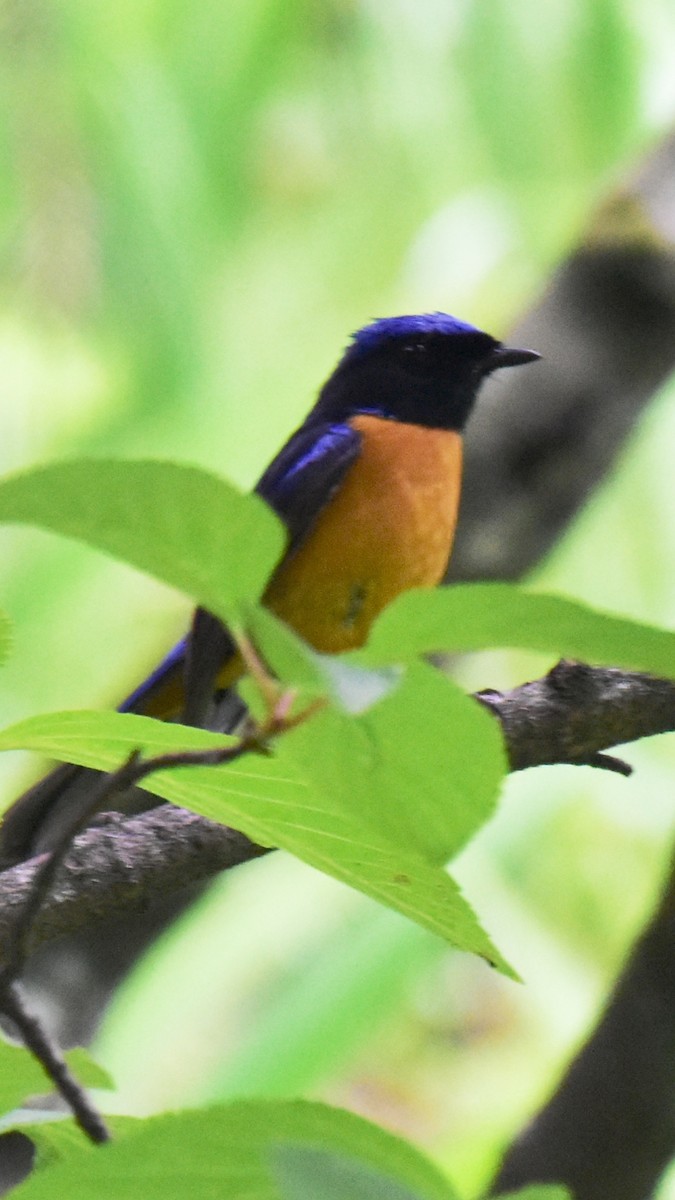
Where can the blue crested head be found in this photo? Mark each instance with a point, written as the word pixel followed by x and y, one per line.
pixel 423 369
pixel 416 325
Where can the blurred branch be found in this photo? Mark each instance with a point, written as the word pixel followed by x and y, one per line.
pixel 609 1129
pixel 123 866
pixel 541 441
pixel 535 451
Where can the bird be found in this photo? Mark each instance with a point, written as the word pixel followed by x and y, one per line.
pixel 368 489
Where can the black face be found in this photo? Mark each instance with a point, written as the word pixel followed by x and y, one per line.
pixel 423 378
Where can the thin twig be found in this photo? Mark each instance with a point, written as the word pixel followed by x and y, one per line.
pixel 42 1047
pixel 609 762
pixel 128 775
pixel 124 866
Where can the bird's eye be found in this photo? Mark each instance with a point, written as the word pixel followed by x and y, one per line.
pixel 416 356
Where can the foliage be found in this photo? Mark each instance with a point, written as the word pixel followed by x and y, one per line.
pixel 21 1075
pixel 202 201
pixel 289 1151
pixel 336 790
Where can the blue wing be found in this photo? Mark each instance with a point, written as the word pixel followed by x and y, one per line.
pixel 305 475
pixel 298 484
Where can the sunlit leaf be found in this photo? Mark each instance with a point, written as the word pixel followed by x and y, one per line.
pixel 188 528
pixel 485 615
pixel 275 804
pixel 21 1076
pixel 413 756
pixel 244 1150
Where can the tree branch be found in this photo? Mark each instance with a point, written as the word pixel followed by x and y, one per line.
pixel 577 711
pixel 124 865
pixel 541 440
pixel 118 868
pixel 619 1091
pixel 13 1003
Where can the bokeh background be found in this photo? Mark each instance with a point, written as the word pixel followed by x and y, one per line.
pixel 198 204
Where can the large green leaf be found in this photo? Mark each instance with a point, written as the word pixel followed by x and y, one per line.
pixel 422 766
pixel 275 801
pixel 485 615
pixel 181 524
pixel 414 756
pixel 258 1149
pixel 438 764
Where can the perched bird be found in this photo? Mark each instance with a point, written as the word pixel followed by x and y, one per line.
pixel 368 489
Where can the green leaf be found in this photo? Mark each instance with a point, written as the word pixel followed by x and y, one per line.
pixel 484 615
pixel 424 762
pixel 88 1071
pixel 439 762
pixel 22 1076
pixel 54 1134
pixel 104 739
pixel 186 527
pixel 422 766
pixel 271 799
pixel 241 1151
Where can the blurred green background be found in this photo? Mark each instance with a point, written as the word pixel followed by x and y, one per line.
pixel 199 203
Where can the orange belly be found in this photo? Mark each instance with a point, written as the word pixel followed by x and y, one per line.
pixel 389 528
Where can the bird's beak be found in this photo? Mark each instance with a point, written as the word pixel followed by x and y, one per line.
pixel 509 356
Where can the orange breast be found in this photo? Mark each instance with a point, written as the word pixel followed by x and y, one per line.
pixel 389 528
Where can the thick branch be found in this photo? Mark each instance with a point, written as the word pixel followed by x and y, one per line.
pixel 32 1030
pixel 125 865
pixel 121 867
pixel 577 711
